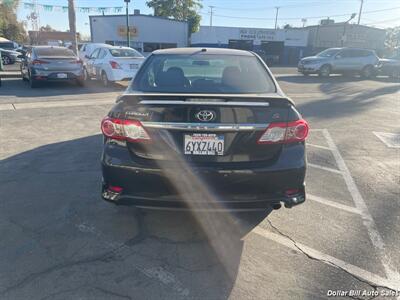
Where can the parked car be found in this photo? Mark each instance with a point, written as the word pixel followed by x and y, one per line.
pixel 9 57
pixel 390 66
pixel 86 49
pixel 204 128
pixel 51 63
pixel 111 63
pixel 340 61
pixel 7 45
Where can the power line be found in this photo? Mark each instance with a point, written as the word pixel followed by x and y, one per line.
pixel 297 18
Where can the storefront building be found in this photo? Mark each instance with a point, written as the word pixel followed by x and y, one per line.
pixel 147 33
pixel 284 46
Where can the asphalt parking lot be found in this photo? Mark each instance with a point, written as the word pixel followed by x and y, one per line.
pixel 59 240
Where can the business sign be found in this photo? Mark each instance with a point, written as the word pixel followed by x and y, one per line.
pixel 257 34
pixel 133 31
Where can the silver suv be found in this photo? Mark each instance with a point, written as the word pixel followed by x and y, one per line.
pixel 340 61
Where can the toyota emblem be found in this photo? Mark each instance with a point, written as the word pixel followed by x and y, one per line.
pixel 205 115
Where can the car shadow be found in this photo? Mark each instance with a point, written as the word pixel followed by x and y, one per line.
pixel 312 79
pixel 18 88
pixel 55 226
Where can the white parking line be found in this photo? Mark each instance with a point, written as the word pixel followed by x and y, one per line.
pixel 327 259
pixel 391 273
pixel 391 140
pixel 318 146
pixel 334 204
pixel 324 168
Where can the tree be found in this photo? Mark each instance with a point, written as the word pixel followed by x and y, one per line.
pixel 10 28
pixel 72 25
pixel 392 41
pixel 47 28
pixel 182 10
pixel 287 26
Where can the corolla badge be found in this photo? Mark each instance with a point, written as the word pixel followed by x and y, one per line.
pixel 205 115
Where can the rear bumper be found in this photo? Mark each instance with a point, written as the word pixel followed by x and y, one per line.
pixel 213 188
pixel 121 75
pixel 53 75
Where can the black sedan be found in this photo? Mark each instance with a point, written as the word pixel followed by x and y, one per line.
pixel 204 129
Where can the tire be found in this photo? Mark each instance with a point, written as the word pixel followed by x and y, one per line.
pixel 80 82
pixel 86 76
pixel 32 82
pixel 104 79
pixel 324 71
pixel 367 72
pixel 6 60
pixel 395 74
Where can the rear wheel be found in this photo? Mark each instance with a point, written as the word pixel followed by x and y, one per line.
pixel 324 71
pixel 32 82
pixel 86 76
pixel 80 82
pixel 104 79
pixel 6 60
pixel 395 74
pixel 367 72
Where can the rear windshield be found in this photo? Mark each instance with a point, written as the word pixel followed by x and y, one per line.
pixel 53 52
pixel 125 53
pixel 203 73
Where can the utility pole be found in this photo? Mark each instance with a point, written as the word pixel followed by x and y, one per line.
pixel 72 25
pixel 128 36
pixel 211 14
pixel 359 13
pixel 276 16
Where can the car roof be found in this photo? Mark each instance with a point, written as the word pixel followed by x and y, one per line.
pixel 46 46
pixel 195 50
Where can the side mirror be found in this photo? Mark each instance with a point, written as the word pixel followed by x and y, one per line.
pixel 87 56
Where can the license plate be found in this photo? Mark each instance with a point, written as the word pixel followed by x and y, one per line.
pixel 62 75
pixel 204 144
pixel 134 66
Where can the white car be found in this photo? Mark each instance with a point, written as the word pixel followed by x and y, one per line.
pixel 112 63
pixel 87 49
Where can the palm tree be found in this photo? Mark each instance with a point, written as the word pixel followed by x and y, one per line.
pixel 72 24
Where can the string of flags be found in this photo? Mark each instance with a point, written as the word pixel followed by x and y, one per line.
pixel 64 9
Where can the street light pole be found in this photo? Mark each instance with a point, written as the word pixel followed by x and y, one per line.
pixel 344 27
pixel 128 38
pixel 276 16
pixel 211 14
pixel 359 13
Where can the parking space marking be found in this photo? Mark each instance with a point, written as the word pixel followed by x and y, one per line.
pixel 51 104
pixel 324 168
pixel 391 140
pixel 6 107
pixel 376 238
pixel 327 259
pixel 333 204
pixel 318 146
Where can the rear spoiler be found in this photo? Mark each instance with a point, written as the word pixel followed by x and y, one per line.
pixel 206 99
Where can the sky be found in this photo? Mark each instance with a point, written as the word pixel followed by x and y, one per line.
pixel 240 13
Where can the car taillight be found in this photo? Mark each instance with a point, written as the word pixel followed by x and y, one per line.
pixel 290 132
pixel 77 61
pixel 114 65
pixel 126 130
pixel 39 62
